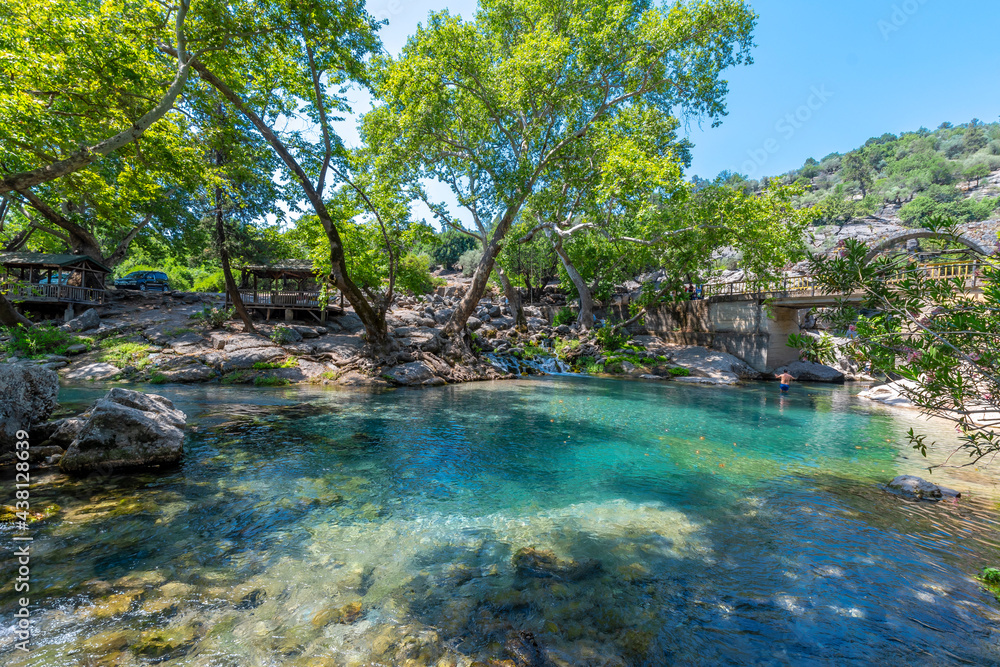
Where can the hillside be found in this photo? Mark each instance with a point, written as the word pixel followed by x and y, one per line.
pixel 952 171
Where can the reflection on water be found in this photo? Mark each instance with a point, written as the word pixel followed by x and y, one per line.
pixel 558 521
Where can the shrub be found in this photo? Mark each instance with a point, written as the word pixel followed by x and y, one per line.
pixel 563 346
pixel 469 260
pixel 564 316
pixel 282 335
pixel 679 372
pixel 213 282
pixel 38 340
pixel 414 274
pixel 610 337
pixel 213 318
pixel 817 350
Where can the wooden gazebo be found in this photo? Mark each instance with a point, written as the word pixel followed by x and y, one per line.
pixel 288 285
pixel 34 278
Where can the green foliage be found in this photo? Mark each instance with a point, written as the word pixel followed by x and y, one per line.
pixel 469 260
pixel 923 210
pixel 819 350
pixel 565 345
pixel 37 341
pixel 157 377
pixel 270 381
pixel 414 274
pixel 122 352
pixel 213 318
pixel 283 335
pixel 937 332
pixel 213 282
pixel 290 362
pixel 244 376
pixel 448 247
pixel 610 337
pixel 564 316
pixel 679 372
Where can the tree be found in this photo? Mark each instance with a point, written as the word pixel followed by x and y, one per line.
pixel 102 76
pixel 977 171
pixel 857 168
pixel 491 106
pixel 312 51
pixel 938 333
pixel 974 138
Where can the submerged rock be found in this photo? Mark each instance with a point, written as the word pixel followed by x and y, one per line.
pixel 920 489
pixel 28 396
pixel 127 429
pixel 531 562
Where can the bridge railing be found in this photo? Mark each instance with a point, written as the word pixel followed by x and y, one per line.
pixel 809 285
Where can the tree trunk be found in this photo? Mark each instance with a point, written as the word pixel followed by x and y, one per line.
pixel 513 298
pixel 81 241
pixel 471 299
pixel 86 155
pixel 231 288
pixel 586 316
pixel 374 322
pixel 9 316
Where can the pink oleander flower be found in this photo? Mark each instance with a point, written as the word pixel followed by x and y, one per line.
pixel 852 328
pixel 973 356
pixel 914 356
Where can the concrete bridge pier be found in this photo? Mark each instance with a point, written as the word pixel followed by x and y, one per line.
pixel 782 323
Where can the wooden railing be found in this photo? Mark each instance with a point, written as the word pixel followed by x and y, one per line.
pixel 280 298
pixel 45 292
pixel 809 286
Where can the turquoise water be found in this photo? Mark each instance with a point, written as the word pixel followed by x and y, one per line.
pixel 309 527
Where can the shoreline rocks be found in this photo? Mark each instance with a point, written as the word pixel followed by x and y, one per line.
pixel 28 395
pixel 126 429
pixel 809 371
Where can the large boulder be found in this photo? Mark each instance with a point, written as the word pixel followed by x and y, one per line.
pixel 919 489
pixel 85 322
pixel 411 374
pixel 127 429
pixel 715 364
pixel 28 396
pixel 808 371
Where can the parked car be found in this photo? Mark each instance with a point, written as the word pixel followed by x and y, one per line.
pixel 62 279
pixel 146 281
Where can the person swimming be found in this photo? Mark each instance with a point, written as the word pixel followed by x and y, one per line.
pixel 786 380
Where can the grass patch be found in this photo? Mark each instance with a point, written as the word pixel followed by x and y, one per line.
pixel 679 372
pixel 290 362
pixel 121 352
pixel 157 377
pixel 180 331
pixel 38 341
pixel 990 580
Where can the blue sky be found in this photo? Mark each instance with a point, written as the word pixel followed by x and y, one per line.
pixel 844 70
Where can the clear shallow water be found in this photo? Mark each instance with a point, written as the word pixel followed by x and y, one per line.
pixel 312 527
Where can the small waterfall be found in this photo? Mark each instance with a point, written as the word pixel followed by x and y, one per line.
pixel 537 366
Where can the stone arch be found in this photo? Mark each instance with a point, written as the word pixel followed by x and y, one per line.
pixel 903 237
